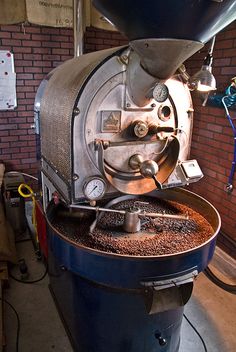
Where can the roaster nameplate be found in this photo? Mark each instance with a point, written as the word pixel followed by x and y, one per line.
pixel 111 121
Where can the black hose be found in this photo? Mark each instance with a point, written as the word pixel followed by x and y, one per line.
pixel 227 287
pixel 18 322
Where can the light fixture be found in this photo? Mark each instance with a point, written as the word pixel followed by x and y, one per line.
pixel 203 80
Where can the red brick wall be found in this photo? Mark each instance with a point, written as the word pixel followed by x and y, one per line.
pixel 212 143
pixel 37 50
pixel 98 39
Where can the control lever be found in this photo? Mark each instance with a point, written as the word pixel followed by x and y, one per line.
pixel 157 183
pixel 164 129
pixel 154 129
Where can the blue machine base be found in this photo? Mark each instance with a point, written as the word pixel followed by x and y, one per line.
pixel 105 298
pixel 98 319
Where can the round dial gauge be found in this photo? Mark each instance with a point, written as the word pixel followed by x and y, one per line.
pixel 160 92
pixel 94 188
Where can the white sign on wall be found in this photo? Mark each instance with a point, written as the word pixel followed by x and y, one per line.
pixel 7 81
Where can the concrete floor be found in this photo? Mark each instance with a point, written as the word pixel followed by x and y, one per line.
pixel 210 309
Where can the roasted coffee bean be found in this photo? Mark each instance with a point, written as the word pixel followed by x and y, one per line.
pixel 170 235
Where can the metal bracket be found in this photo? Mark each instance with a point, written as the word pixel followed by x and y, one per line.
pixel 177 281
pixel 168 294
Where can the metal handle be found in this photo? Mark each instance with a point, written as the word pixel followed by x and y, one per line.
pixel 141 214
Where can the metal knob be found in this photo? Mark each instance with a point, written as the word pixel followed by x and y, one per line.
pixel 147 168
pixel 135 161
pixel 140 128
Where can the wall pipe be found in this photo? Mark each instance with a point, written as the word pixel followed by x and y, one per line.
pixel 78 26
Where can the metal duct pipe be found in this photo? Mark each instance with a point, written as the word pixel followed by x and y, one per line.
pixel 78 25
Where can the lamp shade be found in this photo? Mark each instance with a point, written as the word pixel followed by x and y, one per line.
pixel 203 80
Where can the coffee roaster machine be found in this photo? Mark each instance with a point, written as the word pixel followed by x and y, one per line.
pixel 116 124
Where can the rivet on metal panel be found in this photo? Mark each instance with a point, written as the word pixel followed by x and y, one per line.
pixel 76 111
pixel 161 340
pixel 75 177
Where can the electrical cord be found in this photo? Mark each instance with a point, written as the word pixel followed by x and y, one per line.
pixel 18 322
pixel 227 287
pixel 193 327
pixel 24 174
pixel 30 281
pixel 23 240
pixel 18 325
pixel 196 331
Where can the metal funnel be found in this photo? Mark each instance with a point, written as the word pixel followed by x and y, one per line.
pixel 166 33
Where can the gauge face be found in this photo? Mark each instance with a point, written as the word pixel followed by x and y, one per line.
pixel 94 188
pixel 160 92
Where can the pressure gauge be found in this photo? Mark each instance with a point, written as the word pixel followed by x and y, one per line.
pixel 94 188
pixel 160 92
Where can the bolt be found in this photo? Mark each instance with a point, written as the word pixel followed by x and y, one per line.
pixel 140 128
pixel 153 105
pixel 189 111
pixel 162 341
pixel 76 111
pixel 128 105
pixel 75 177
pixel 105 144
